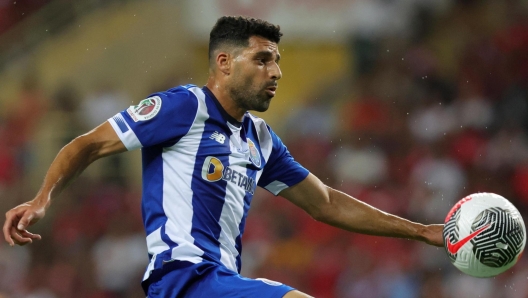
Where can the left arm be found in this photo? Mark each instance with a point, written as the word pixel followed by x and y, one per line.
pixel 340 210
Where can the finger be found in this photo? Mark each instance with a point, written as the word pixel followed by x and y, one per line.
pixel 28 234
pixel 19 239
pixel 7 227
pixel 25 220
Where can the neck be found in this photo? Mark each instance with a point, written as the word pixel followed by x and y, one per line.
pixel 224 98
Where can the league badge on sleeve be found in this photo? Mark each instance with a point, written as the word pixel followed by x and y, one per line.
pixel 254 154
pixel 146 109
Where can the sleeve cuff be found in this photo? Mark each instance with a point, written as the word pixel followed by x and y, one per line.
pixel 125 133
pixel 276 187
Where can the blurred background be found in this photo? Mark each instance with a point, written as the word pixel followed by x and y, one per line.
pixel 408 105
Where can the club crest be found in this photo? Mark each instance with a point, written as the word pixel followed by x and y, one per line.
pixel 254 154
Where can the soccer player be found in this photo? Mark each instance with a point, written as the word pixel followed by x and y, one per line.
pixel 203 156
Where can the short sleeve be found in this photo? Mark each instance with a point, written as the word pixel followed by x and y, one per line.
pixel 161 119
pixel 281 170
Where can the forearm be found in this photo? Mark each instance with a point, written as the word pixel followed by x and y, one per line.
pixel 71 161
pixel 338 209
pixel 345 212
pixel 75 157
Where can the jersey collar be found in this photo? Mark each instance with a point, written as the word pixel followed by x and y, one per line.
pixel 226 116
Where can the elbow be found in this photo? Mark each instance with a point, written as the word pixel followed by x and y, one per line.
pixel 325 209
pixel 319 215
pixel 84 146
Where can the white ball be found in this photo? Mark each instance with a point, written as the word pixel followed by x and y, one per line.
pixel 484 235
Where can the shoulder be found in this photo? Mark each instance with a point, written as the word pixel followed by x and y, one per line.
pixel 182 98
pixel 261 128
pixel 268 140
pixel 181 93
pixel 258 122
pixel 164 104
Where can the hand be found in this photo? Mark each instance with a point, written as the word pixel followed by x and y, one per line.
pixel 18 219
pixel 433 235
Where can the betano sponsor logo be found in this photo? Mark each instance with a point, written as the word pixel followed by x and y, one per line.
pixel 213 170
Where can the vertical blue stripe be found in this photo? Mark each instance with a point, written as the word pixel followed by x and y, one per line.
pixel 209 197
pixel 152 202
pixel 166 238
pixel 241 228
pixel 251 172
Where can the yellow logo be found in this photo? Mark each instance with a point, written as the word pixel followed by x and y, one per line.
pixel 217 167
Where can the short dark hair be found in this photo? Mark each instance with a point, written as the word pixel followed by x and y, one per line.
pixel 236 31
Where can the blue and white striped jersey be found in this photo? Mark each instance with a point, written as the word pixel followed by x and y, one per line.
pixel 200 171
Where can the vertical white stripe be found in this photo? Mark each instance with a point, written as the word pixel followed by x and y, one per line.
pixel 178 167
pixel 265 141
pixel 150 267
pixel 232 211
pixel 155 244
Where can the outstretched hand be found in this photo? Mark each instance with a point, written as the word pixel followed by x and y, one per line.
pixel 17 221
pixel 433 235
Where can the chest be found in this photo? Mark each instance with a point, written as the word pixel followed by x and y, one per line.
pixel 234 146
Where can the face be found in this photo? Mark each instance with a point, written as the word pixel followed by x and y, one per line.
pixel 254 74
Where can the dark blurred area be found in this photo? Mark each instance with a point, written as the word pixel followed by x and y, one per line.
pixel 432 106
pixel 12 12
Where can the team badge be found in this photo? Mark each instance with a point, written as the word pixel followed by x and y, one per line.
pixel 146 109
pixel 254 154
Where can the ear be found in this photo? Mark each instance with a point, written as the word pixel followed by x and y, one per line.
pixel 223 62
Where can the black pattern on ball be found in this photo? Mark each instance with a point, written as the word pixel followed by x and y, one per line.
pixel 499 244
pixel 451 232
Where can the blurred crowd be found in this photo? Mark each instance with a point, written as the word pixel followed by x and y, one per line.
pixel 12 12
pixel 423 119
pixel 416 131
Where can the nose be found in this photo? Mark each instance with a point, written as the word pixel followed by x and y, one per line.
pixel 275 72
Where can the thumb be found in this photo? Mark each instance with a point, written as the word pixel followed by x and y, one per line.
pixel 25 220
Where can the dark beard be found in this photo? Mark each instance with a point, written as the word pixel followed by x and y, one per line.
pixel 249 98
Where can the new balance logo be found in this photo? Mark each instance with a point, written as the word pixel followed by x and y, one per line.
pixel 220 138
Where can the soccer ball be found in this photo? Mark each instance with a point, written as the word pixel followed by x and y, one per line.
pixel 484 235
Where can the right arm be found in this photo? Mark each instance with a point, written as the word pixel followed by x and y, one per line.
pixel 69 163
pixel 341 210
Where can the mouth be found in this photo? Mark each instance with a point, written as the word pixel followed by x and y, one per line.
pixel 271 90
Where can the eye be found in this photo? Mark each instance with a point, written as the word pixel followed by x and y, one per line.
pixel 261 61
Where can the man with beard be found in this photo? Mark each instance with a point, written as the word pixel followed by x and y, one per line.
pixel 203 156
